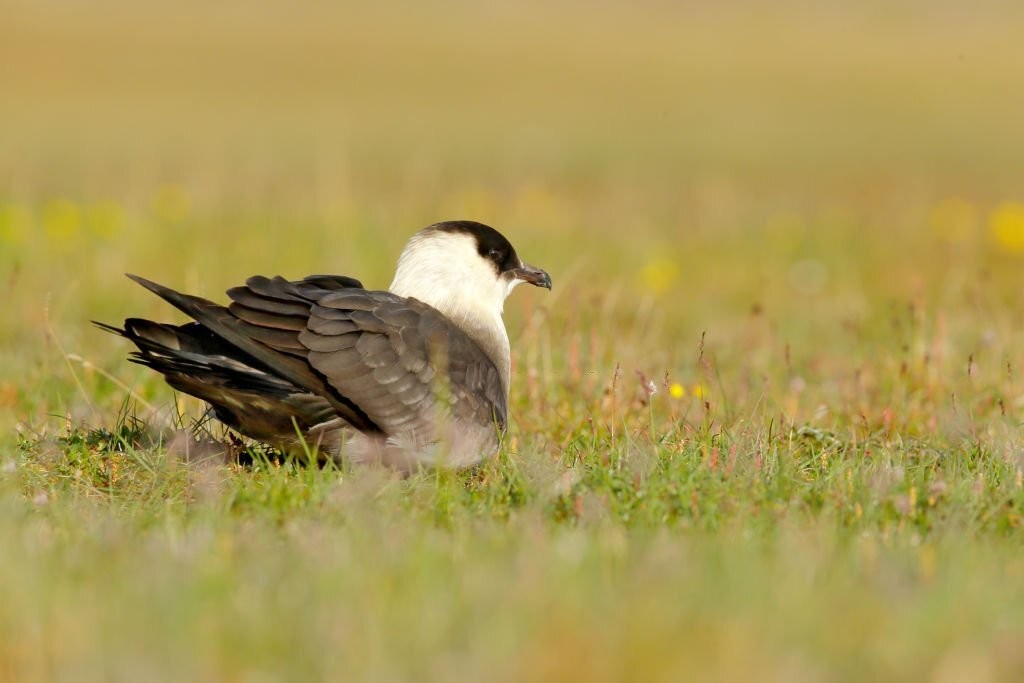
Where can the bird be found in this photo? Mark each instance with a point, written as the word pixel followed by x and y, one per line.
pixel 413 377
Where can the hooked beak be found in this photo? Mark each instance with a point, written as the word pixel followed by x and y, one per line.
pixel 535 276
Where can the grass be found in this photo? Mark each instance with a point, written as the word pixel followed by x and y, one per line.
pixel 803 229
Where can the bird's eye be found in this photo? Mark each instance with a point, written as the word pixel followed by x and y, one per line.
pixel 495 255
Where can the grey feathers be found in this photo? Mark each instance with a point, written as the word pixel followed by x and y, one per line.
pixel 321 347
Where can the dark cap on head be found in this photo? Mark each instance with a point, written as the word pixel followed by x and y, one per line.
pixel 493 246
pixel 490 243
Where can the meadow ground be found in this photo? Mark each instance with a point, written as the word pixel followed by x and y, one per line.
pixel 802 229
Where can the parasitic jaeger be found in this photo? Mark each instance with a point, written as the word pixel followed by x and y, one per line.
pixel 414 376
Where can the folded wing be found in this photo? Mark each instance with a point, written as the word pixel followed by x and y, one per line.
pixel 382 363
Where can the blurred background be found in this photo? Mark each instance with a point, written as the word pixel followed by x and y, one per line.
pixel 788 179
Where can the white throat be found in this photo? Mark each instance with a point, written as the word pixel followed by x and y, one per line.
pixel 445 271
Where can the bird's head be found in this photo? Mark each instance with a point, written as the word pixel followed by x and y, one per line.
pixel 463 269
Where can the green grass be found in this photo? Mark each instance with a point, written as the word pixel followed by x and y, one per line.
pixel 804 227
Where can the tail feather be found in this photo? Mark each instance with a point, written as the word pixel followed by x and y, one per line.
pixel 174 350
pixel 252 400
pixel 221 324
pixel 255 376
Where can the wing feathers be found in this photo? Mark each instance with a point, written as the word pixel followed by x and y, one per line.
pixel 274 319
pixel 328 327
pixel 321 343
pixel 370 354
pixel 221 322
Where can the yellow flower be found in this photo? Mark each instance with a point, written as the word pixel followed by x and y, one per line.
pixel 1007 226
pixel 698 391
pixel 677 390
pixel 954 219
pixel 659 275
pixel 61 221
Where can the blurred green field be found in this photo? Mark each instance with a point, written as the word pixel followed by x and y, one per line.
pixel 802 226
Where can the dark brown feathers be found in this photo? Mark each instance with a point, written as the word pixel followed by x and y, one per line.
pixel 286 353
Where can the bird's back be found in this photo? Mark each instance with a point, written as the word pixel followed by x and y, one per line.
pixel 369 374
